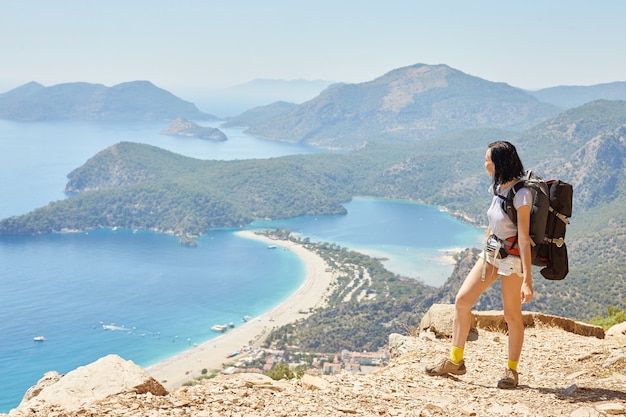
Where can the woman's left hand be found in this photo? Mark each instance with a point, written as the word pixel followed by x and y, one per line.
pixel 526 293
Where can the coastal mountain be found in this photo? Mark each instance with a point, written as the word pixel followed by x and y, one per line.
pixel 258 115
pixel 569 96
pixel 405 105
pixel 131 101
pixel 587 140
pixel 138 186
pixel 584 146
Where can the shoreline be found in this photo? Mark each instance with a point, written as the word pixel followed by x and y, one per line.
pixel 173 372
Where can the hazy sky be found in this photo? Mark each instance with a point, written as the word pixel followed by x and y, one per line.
pixel 205 43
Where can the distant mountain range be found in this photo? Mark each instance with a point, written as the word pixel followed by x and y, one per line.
pixel 131 101
pixel 406 105
pixel 574 96
pixel 415 103
pixel 240 98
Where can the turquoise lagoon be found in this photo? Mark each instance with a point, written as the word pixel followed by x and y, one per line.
pixel 162 297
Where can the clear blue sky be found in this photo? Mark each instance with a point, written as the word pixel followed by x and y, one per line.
pixel 206 44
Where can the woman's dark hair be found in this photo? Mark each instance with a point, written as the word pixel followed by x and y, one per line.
pixel 506 162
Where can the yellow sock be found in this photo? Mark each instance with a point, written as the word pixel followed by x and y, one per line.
pixel 456 355
pixel 513 365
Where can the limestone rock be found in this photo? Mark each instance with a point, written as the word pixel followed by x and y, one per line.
pixel 494 321
pixel 48 379
pixel 619 330
pixel 400 345
pixel 616 356
pixel 439 319
pixel 110 375
pixel 612 408
pixel 569 325
pixel 313 382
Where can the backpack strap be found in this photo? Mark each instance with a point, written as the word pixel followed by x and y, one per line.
pixel 559 216
pixel 558 242
pixel 507 202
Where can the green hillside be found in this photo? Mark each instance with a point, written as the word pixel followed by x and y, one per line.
pixel 132 185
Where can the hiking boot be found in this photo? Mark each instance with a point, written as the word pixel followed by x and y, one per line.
pixel 509 380
pixel 446 367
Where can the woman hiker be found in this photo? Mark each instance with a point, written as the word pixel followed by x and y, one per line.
pixel 505 168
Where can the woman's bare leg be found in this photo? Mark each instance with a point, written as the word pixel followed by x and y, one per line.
pixel 468 294
pixel 512 302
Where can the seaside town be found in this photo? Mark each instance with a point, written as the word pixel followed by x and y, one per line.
pixel 278 361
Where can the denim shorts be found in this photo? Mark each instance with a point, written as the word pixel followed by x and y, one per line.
pixel 506 266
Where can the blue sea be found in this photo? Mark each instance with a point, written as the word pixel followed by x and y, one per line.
pixel 160 297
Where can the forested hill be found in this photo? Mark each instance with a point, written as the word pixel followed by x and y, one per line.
pixel 140 186
pixel 131 101
pixel 134 186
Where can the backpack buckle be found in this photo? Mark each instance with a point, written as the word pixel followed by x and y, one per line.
pixel 558 242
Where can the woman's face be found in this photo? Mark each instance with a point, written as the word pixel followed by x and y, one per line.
pixel 488 163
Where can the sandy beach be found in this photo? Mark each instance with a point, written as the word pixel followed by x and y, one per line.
pixel 177 370
pixel 447 255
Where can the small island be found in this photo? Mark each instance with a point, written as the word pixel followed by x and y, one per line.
pixel 182 127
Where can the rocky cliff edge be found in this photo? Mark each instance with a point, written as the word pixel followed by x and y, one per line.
pixel 562 373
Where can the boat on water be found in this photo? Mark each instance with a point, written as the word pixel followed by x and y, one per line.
pixel 271 246
pixel 220 328
pixel 246 318
pixel 39 338
pixel 113 327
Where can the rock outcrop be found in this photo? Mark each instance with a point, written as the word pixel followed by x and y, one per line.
pixel 86 385
pixel 619 331
pixel 439 320
pixel 561 374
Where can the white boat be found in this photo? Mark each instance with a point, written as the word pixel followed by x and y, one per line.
pixel 113 327
pixel 272 247
pixel 39 338
pixel 246 318
pixel 220 328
